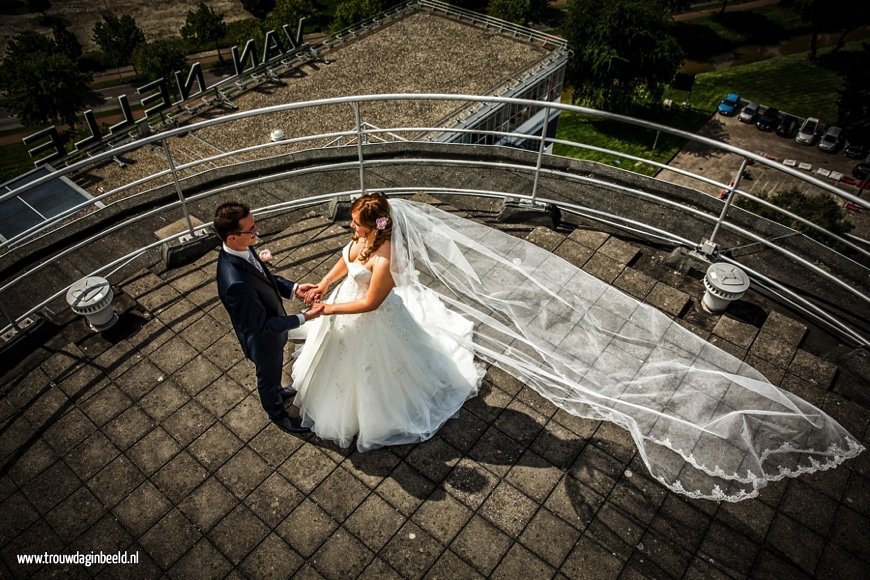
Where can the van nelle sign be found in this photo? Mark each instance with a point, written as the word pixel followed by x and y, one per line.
pixel 156 94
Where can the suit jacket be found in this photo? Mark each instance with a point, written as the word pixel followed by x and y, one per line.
pixel 254 303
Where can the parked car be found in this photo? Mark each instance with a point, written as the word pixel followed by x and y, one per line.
pixel 855 150
pixel 830 141
pixel 769 119
pixel 807 133
pixel 728 105
pixel 747 115
pixel 788 127
pixel 861 171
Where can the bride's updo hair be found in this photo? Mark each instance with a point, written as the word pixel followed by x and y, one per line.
pixel 374 210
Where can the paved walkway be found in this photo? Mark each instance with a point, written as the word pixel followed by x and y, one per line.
pixel 150 440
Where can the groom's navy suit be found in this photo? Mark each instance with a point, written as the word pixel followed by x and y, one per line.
pixel 254 303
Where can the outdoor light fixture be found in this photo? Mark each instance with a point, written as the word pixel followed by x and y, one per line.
pixel 724 284
pixel 91 297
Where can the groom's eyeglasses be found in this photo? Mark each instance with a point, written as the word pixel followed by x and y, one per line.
pixel 249 232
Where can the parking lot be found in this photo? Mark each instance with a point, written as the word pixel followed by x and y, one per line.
pixel 724 166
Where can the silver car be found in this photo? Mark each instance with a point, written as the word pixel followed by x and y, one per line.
pixel 747 115
pixel 831 139
pixel 807 133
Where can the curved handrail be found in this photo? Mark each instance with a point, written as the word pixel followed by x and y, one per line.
pixel 363 163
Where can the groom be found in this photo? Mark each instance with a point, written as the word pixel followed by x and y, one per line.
pixel 253 298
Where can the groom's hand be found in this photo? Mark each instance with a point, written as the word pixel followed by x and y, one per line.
pixel 312 296
pixel 302 290
pixel 315 311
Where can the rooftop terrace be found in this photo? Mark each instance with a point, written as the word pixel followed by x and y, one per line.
pixel 150 439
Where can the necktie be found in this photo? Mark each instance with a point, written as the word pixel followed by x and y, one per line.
pixel 255 263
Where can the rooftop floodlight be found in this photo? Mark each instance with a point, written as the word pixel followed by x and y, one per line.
pixel 724 283
pixel 91 297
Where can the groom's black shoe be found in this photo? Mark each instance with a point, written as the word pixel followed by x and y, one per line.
pixel 291 425
pixel 287 393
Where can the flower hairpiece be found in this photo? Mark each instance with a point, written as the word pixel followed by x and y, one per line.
pixel 381 223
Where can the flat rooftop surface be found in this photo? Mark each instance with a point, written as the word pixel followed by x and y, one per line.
pixel 422 52
pixel 150 439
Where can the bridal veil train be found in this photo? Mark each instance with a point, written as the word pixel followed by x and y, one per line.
pixel 705 424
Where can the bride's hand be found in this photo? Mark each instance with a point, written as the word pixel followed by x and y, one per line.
pixel 302 290
pixel 312 296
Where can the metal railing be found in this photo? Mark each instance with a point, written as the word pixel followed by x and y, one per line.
pixel 365 148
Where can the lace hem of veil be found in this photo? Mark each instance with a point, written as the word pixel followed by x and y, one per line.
pixel 705 424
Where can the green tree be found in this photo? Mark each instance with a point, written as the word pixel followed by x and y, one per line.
pixel 259 9
pixel 45 87
pixel 289 12
pixel 205 26
pixel 517 11
pixel 118 37
pixel 475 5
pixel 160 59
pixel 66 41
pixel 830 15
pixel 853 98
pixel 623 51
pixel 40 6
pixel 822 210
pixel 350 12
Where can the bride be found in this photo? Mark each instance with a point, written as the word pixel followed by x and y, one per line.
pixel 380 368
pixel 424 292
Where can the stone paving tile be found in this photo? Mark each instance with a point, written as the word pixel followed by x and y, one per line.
pixel 481 544
pixel 574 252
pixel 508 509
pixel 521 563
pixel 375 522
pixel 207 504
pixel 736 332
pixel 75 514
pixel 619 250
pixel 534 476
pixel 411 551
pixel 818 372
pixel 273 558
pixel 203 560
pixel 170 539
pixel 788 330
pixel 668 299
pixel 342 556
pixel 635 283
pixel 589 238
pixel 588 556
pixel 306 528
pixel 545 238
pixel 153 451
pixel 604 268
pixel 550 537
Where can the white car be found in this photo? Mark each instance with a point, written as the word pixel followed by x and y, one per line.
pixel 807 133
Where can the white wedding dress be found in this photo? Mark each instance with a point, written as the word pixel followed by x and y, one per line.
pixel 387 377
pixel 705 423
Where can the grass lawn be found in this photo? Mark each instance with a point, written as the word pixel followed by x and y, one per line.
pixel 790 83
pixel 629 139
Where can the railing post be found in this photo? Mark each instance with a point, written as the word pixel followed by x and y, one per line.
pixel 359 148
pixel 540 153
pixel 708 248
pixel 177 187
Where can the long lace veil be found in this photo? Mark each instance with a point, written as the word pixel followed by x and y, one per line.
pixel 705 424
